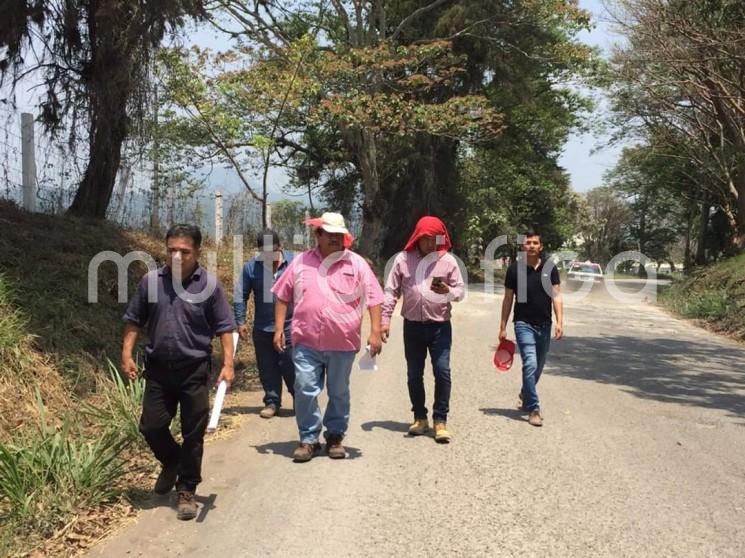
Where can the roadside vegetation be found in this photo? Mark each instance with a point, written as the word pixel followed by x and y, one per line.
pixel 715 295
pixel 71 457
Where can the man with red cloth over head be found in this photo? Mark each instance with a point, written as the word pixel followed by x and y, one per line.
pixel 429 279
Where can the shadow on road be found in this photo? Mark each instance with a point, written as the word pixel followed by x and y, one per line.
pixel 147 500
pixel 670 370
pixel 514 414
pixel 285 449
pixel 208 504
pixel 242 410
pixel 392 425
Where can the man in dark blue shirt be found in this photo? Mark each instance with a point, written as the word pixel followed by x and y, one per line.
pixel 257 278
pixel 537 284
pixel 183 307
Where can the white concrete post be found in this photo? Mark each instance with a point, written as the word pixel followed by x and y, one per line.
pixel 125 176
pixel 28 157
pixel 218 217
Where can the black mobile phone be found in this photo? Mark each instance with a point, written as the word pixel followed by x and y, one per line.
pixel 437 280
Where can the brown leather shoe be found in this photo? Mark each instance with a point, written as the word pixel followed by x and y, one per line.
pixel 186 507
pixel 305 452
pixel 535 418
pixel 268 412
pixel 334 448
pixel 166 479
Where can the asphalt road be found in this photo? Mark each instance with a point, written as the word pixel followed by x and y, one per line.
pixel 642 453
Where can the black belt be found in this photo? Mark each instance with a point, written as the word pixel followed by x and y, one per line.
pixel 174 365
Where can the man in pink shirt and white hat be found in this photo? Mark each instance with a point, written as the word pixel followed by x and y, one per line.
pixel 429 279
pixel 329 286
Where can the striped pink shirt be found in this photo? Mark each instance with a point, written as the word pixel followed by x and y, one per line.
pixel 411 276
pixel 328 298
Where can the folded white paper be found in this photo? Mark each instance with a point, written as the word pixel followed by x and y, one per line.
pixel 367 361
pixel 217 406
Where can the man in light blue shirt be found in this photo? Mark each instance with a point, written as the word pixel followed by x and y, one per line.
pixel 257 278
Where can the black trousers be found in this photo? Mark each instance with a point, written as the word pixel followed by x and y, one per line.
pixel 166 389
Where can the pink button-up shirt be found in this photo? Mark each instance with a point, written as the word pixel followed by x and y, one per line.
pixel 411 276
pixel 328 298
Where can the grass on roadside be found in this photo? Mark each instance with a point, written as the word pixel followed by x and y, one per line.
pixel 715 294
pixel 116 406
pixel 49 474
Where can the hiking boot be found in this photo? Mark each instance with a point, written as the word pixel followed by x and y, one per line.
pixel 268 412
pixel 186 507
pixel 334 448
pixel 535 418
pixel 166 479
pixel 420 426
pixel 305 452
pixel 442 436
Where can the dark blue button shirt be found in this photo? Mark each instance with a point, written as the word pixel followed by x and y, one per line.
pixel 258 279
pixel 181 328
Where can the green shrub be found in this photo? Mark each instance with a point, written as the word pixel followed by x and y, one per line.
pixel 50 473
pixel 117 409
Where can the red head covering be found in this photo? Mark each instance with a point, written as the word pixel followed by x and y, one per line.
pixel 318 222
pixel 430 226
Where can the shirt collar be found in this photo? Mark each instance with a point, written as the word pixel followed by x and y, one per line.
pixel 317 252
pixel 195 275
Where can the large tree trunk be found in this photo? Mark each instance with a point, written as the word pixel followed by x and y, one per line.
pixel 687 260
pixel 110 89
pixel 738 240
pixel 364 146
pixel 427 187
pixel 643 243
pixel 703 226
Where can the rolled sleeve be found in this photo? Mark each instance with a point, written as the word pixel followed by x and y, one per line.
pixel 138 309
pixel 373 291
pixel 223 320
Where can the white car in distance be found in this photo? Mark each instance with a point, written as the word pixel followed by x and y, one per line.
pixel 585 271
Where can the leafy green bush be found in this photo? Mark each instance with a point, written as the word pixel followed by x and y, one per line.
pixel 117 409
pixel 50 473
pixel 710 305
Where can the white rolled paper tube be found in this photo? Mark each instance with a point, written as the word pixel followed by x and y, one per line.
pixel 217 406
pixel 235 342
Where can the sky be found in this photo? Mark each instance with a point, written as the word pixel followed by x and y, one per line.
pixel 585 156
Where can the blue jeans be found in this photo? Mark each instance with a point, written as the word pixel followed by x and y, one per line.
pixel 437 337
pixel 533 342
pixel 273 366
pixel 311 368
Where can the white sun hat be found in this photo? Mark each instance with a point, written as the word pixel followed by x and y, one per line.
pixel 333 223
